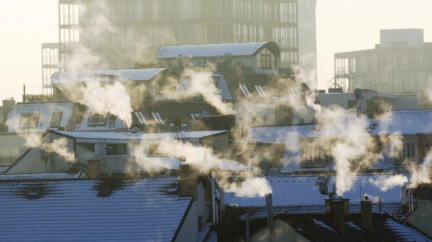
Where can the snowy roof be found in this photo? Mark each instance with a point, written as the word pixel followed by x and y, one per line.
pixel 137 210
pixel 406 123
pixel 106 75
pixel 139 136
pixel 215 50
pixel 303 190
pixel 281 134
pixel 40 176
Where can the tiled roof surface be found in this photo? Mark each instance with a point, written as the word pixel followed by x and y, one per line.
pixel 121 75
pixel 210 50
pixel 404 232
pixel 139 210
pixel 302 190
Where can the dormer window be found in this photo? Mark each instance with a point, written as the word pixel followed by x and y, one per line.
pixel 29 120
pixel 96 119
pixel 266 60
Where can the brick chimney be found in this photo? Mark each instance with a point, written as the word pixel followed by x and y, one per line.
pixel 338 214
pixel 188 181
pixel 366 215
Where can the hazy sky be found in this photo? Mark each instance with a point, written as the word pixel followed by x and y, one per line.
pixel 342 25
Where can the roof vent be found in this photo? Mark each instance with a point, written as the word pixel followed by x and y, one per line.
pixel 35 192
pixel 105 191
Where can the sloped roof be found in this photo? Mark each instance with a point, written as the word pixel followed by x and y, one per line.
pixel 302 190
pixel 106 75
pixel 139 136
pixel 406 123
pixel 216 50
pixel 279 135
pixel 139 210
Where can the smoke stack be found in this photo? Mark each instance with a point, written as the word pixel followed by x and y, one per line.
pixel 269 208
pixel 94 169
pixel 366 215
pixel 338 214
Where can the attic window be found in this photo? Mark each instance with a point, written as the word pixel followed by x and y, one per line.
pixel 35 192
pixel 140 118
pixel 244 89
pixel 260 90
pixel 158 118
pixel 105 191
pixel 55 119
pixel 96 119
pixel 29 120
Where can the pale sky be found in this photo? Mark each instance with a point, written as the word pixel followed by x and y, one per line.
pixel 342 25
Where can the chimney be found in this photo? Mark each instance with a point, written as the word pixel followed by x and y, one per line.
pixel 338 214
pixel 270 222
pixel 188 181
pixel 366 215
pixel 94 168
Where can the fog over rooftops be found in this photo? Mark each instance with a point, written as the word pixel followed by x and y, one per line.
pixel 106 75
pixel 216 50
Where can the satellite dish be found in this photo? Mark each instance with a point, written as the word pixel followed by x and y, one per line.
pixel 357 93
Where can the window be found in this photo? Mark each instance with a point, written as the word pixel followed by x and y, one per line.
pixel 116 149
pixel 158 118
pixel 266 60
pixel 244 89
pixel 260 90
pixel 408 151
pixel 29 120
pixel 88 146
pixel 140 118
pixel 96 120
pixel 55 120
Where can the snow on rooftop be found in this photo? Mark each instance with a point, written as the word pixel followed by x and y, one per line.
pixel 210 50
pixel 405 232
pixel 40 176
pixel 136 210
pixel 106 75
pixel 303 190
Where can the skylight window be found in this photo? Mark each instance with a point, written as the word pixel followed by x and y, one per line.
pixel 158 118
pixel 244 89
pixel 260 90
pixel 295 92
pixel 35 192
pixel 56 119
pixel 140 117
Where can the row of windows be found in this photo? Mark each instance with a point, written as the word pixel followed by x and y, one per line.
pixel 31 120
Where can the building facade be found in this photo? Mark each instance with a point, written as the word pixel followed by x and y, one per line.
pixel 400 64
pixel 118 34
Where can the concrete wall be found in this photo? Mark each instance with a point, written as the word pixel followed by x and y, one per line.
pixel 12 146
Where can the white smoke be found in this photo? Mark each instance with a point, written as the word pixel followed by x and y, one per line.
pixel 202 83
pixel 390 182
pixel 57 146
pixel 204 160
pixel 421 174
